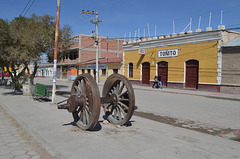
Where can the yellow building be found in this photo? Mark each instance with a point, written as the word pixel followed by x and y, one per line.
pixel 191 60
pixel 5 69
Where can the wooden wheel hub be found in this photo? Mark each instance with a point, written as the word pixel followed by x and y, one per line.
pixel 115 99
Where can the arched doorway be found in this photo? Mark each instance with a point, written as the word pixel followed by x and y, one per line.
pixel 163 70
pixel 192 67
pixel 130 70
pixel 94 73
pixel 145 72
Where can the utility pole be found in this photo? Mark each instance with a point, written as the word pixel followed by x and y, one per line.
pixel 107 57
pixel 55 54
pixel 96 42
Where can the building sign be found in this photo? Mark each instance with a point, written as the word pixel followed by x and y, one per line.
pixel 168 53
pixel 94 66
pixel 141 52
pixel 82 67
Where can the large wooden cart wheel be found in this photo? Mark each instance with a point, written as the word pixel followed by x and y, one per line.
pixel 85 89
pixel 120 89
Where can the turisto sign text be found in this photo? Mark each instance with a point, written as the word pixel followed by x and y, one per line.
pixel 168 53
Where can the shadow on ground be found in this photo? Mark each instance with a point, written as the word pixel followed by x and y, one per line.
pixel 42 99
pixel 11 91
pixel 58 87
pixel 98 127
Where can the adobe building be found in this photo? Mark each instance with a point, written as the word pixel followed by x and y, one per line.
pixel 187 60
pixel 231 67
pixel 106 67
pixel 82 55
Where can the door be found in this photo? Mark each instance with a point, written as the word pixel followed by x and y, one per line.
pixel 130 66
pixel 192 74
pixel 58 72
pixel 64 72
pixel 163 70
pixel 145 73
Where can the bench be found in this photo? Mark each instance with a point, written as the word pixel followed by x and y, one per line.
pixel 41 91
pixel 12 85
pixel 3 82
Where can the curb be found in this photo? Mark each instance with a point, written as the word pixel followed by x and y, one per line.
pixel 193 94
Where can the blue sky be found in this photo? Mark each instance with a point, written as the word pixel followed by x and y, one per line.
pixel 122 17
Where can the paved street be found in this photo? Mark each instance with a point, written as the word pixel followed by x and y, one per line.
pixel 54 131
pixel 206 113
pixel 201 111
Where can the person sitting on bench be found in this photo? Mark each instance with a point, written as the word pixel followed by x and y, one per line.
pixel 155 81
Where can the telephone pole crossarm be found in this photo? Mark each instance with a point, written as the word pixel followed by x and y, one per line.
pixel 93 13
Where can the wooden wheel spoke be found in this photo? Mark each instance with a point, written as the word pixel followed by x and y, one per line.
pixel 81 116
pixel 112 109
pixel 123 100
pixel 108 105
pixel 77 90
pixel 123 105
pixel 78 86
pixel 84 117
pixel 115 113
pixel 124 94
pixel 87 116
pixel 119 114
pixel 121 88
pixel 118 86
pixel 122 110
pixel 115 89
pixel 83 87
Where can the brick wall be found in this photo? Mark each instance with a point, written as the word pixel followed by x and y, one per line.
pixel 88 49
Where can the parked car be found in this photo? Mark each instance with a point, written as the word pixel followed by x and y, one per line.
pixel 5 74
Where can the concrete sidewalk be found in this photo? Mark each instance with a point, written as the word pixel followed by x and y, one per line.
pixel 56 133
pixel 217 95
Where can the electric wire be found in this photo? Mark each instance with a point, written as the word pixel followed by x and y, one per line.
pixel 29 7
pixel 25 7
pixel 35 4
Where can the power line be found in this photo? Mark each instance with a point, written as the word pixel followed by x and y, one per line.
pixel 29 7
pixel 35 4
pixel 25 7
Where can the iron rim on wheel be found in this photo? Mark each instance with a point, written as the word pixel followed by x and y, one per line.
pixel 85 88
pixel 120 89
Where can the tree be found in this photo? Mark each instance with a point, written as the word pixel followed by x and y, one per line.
pixel 30 37
pixel 64 44
pixel 4 42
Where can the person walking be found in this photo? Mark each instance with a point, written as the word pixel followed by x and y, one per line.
pixel 155 81
pixel 160 80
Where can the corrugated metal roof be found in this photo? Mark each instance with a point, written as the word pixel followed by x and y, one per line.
pixel 235 42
